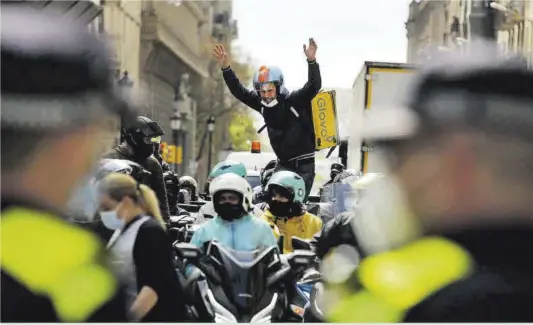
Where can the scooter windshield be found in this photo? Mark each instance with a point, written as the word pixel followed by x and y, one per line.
pixel 244 273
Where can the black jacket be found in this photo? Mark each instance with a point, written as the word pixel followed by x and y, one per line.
pixel 291 136
pixel 499 290
pixel 157 183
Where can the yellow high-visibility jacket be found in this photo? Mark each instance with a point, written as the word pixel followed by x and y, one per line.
pixel 304 227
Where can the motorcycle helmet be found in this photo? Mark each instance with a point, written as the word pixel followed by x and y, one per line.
pixel 267 75
pixel 267 172
pixel 171 185
pixel 141 135
pixel 228 166
pixel 291 186
pixel 236 184
pixel 291 182
pixel 189 182
pixel 108 166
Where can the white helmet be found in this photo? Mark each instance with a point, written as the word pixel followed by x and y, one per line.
pixel 235 183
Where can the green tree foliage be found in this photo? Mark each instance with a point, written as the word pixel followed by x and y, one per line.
pixel 242 130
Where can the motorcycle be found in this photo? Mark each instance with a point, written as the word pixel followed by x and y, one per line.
pixel 181 228
pixel 309 284
pixel 236 286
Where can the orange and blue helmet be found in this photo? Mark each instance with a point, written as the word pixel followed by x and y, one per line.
pixel 265 75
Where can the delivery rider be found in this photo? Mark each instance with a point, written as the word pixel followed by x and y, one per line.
pixel 57 95
pixel 288 115
pixel 285 211
pixel 461 170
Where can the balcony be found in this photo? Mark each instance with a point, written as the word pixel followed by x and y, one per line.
pixel 82 10
pixel 176 27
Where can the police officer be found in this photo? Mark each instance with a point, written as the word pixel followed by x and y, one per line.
pixel 336 169
pixel 57 97
pixel 461 154
pixel 139 137
pixel 288 116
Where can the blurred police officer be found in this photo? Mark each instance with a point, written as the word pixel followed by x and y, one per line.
pixel 462 154
pixel 56 97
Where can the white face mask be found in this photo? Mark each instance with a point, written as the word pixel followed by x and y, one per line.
pixel 111 220
pixel 271 104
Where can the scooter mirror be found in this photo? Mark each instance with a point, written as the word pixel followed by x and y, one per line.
pixel 188 251
pixel 298 243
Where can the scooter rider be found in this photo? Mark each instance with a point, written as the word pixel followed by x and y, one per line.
pixel 139 137
pixel 224 167
pixel 260 194
pixel 173 189
pixel 233 225
pixel 288 115
pixel 189 184
pixel 286 209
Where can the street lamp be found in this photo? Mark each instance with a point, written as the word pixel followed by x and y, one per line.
pixel 175 125
pixel 210 130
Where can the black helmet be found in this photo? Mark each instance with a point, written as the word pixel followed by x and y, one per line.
pixel 267 172
pixel 141 134
pixel 172 184
pixel 55 74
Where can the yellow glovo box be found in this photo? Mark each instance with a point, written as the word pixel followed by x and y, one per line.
pixel 325 120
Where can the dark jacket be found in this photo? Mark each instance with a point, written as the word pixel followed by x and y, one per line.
pixel 291 136
pixel 500 289
pixel 157 184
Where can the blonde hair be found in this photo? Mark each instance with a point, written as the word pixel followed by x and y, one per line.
pixel 117 186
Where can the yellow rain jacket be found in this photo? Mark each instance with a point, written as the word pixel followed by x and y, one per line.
pixel 304 227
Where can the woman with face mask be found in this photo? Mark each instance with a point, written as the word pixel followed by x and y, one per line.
pixel 141 249
pixel 285 195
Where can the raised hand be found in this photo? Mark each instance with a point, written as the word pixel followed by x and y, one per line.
pixel 220 54
pixel 310 50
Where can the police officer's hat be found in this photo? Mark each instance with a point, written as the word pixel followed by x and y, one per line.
pixel 55 74
pixel 481 90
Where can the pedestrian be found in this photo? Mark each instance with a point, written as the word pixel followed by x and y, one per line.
pixel 141 249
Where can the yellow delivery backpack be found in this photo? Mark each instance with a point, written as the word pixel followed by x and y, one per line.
pixel 325 120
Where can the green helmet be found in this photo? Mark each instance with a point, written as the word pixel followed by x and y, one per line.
pixel 290 181
pixel 228 166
